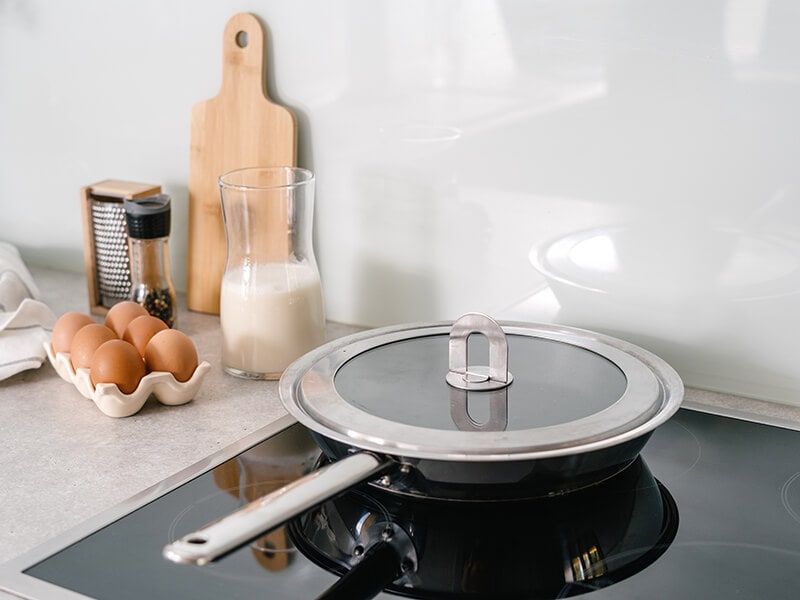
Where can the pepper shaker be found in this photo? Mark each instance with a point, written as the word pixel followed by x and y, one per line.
pixel 149 221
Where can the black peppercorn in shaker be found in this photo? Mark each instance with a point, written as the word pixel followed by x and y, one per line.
pixel 148 222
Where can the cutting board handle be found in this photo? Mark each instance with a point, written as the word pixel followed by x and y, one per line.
pixel 243 56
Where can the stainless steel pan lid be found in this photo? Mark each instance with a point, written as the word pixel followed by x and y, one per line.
pixel 412 391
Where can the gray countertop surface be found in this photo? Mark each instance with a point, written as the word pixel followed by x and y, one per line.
pixel 62 461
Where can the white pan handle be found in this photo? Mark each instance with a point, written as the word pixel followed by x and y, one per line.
pixel 274 509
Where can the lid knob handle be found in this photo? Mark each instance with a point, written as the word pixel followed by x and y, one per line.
pixel 479 378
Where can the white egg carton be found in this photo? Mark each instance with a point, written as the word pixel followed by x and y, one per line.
pixel 112 402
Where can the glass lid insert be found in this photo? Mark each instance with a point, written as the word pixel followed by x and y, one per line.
pixel 554 383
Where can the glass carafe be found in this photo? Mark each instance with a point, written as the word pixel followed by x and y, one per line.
pixel 271 306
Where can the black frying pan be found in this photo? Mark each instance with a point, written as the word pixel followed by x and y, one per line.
pixel 403 408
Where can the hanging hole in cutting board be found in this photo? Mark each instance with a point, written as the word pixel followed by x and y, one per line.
pixel 241 39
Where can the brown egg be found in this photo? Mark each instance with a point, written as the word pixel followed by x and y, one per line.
pixel 171 350
pixel 122 313
pixel 141 329
pixel 86 341
pixel 118 362
pixel 65 329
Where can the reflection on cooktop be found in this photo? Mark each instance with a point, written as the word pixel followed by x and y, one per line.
pixel 538 549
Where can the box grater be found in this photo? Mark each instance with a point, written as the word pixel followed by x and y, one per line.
pixel 106 255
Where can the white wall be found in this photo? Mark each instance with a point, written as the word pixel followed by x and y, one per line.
pixel 623 166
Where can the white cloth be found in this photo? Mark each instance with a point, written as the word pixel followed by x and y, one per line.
pixel 25 322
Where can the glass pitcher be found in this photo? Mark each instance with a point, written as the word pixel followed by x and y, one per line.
pixel 271 307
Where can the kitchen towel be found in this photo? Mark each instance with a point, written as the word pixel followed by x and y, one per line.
pixel 25 321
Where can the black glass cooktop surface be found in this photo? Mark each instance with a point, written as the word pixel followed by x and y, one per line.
pixel 712 510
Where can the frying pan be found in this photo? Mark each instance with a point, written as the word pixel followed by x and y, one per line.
pixel 404 408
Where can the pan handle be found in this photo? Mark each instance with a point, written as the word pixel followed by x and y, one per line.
pixel 274 509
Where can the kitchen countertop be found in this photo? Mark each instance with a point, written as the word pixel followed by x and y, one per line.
pixel 62 461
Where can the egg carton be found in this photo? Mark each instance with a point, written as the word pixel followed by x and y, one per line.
pixel 112 402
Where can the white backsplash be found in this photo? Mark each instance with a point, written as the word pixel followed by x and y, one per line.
pixel 629 167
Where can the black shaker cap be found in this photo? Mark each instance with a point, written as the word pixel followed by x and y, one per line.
pixel 149 217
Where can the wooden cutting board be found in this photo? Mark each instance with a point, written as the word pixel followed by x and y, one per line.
pixel 240 127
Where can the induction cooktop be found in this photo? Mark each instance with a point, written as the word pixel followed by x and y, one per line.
pixel 711 510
